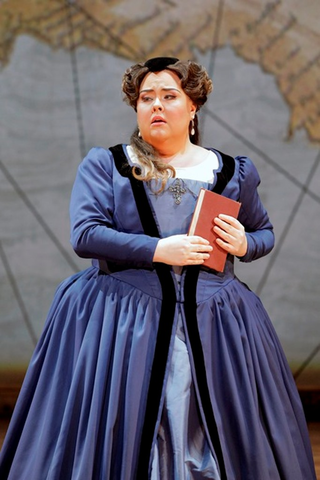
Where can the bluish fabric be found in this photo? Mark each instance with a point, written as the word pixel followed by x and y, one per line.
pixel 182 449
pixel 81 409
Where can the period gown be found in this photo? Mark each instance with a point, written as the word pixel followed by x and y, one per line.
pixel 143 371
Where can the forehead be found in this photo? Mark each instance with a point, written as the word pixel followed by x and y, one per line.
pixel 163 79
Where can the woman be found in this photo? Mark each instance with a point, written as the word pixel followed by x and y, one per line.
pixel 150 365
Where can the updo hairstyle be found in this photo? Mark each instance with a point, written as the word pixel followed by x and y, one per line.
pixel 195 83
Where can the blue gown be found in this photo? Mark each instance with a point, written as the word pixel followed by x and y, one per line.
pixel 182 450
pixel 94 401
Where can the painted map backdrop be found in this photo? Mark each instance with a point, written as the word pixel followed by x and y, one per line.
pixel 61 69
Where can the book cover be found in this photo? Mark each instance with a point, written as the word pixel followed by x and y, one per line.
pixel 209 205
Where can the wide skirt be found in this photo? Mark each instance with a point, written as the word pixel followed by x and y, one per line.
pixel 81 409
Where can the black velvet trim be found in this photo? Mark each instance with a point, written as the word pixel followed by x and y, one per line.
pixel 190 288
pixel 165 321
pixel 146 216
pixel 226 173
pixel 158 369
pixel 121 161
pixel 223 177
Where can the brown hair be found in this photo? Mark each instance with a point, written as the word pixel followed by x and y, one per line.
pixel 195 83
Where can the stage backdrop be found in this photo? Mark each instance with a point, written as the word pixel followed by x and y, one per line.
pixel 61 69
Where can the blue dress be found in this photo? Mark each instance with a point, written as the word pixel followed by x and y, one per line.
pixel 182 449
pixel 99 391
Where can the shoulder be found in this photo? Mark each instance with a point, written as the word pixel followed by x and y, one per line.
pixel 225 172
pixel 247 171
pixel 98 155
pixel 239 167
pixel 100 158
pixel 236 175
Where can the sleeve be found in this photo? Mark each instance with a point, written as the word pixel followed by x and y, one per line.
pixel 253 215
pixel 93 233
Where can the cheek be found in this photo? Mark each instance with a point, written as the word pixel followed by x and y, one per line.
pixel 180 116
pixel 142 113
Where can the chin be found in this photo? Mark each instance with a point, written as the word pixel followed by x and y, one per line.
pixel 155 137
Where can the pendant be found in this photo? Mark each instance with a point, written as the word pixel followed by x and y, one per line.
pixel 177 189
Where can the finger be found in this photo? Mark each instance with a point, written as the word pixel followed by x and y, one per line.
pixel 201 248
pixel 235 230
pixel 228 219
pixel 202 256
pixel 221 225
pixel 198 258
pixel 226 246
pixel 198 240
pixel 226 234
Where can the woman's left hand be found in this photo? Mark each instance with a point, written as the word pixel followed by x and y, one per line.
pixel 232 236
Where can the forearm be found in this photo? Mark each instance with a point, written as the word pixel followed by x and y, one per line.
pixel 259 244
pixel 98 229
pixel 105 243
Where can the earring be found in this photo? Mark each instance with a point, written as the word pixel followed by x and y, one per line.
pixel 139 134
pixel 192 128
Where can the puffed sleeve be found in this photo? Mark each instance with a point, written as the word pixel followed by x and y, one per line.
pixel 253 215
pixel 93 234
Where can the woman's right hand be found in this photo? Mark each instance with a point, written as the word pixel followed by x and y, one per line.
pixel 182 250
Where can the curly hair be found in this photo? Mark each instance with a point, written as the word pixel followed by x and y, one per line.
pixel 196 84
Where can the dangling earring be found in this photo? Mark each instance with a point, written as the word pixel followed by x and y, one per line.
pixel 192 128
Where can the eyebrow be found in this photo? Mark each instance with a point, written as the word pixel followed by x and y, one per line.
pixel 163 88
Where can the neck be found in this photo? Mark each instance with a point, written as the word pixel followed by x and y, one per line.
pixel 174 154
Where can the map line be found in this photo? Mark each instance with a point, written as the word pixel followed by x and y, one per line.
pixel 117 40
pixel 262 154
pixel 213 53
pixel 277 249
pixel 18 295
pixel 76 85
pixel 24 197
pixel 288 225
pixel 304 190
pixel 307 362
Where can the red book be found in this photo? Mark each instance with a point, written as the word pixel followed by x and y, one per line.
pixel 209 205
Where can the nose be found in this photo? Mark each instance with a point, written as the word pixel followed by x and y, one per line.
pixel 157 105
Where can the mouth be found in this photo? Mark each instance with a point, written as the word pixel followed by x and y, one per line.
pixel 157 121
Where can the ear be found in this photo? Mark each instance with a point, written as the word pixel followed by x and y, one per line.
pixel 193 110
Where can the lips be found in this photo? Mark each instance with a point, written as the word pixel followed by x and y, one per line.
pixel 157 119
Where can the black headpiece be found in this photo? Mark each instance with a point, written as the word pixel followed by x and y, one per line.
pixel 160 63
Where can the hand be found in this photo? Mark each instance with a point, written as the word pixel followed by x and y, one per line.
pixel 182 250
pixel 232 236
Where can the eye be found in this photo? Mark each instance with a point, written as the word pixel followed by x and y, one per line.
pixel 170 96
pixel 146 98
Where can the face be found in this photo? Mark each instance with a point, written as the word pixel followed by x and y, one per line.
pixel 164 111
